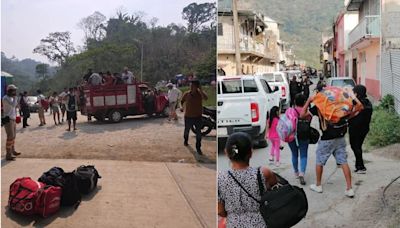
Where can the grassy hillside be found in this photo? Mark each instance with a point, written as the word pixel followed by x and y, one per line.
pixel 303 21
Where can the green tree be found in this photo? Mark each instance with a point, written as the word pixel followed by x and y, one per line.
pixel 42 70
pixel 57 47
pixel 198 14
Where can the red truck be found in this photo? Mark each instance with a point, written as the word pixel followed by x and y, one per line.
pixel 114 102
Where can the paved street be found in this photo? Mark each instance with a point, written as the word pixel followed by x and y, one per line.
pixel 129 194
pixel 332 206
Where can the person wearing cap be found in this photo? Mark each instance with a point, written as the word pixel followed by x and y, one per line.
pixel 173 96
pixel 9 116
pixel 234 203
pixel 40 100
pixel 359 127
pixel 192 100
pixel 127 76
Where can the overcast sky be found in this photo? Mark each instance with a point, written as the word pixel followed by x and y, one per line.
pixel 25 22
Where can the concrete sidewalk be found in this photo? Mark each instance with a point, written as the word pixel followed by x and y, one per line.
pixel 129 194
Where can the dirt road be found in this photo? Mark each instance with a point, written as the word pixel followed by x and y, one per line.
pixel 133 139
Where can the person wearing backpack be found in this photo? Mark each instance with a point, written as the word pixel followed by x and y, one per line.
pixel 235 204
pixel 332 143
pixel 359 127
pixel 72 108
pixel 299 146
pixel 273 136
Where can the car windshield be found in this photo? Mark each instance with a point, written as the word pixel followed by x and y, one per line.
pixel 231 86
pixel 343 83
pixel 269 77
pixel 235 86
pixel 32 99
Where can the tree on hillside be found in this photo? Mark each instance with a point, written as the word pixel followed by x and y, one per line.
pixel 93 26
pixel 42 70
pixel 198 14
pixel 57 47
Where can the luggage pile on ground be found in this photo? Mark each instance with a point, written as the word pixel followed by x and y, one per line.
pixel 53 189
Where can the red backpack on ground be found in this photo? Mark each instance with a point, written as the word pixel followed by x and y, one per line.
pixel 30 197
pixel 23 195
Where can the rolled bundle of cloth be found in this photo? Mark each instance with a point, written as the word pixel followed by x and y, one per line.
pixel 335 104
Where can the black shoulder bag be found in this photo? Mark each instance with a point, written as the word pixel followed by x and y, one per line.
pixel 282 206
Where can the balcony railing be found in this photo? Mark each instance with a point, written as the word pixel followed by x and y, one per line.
pixel 246 45
pixel 369 27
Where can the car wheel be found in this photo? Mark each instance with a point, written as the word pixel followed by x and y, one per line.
pixel 115 116
pixel 262 143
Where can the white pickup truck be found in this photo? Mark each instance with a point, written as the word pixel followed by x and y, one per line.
pixel 243 104
pixel 278 79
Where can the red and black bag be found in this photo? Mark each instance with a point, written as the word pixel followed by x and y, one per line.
pixel 23 195
pixel 48 201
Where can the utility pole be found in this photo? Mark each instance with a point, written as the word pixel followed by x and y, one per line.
pixel 141 65
pixel 236 37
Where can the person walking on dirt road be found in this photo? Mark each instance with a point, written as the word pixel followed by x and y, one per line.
pixel 23 103
pixel 192 100
pixel 41 100
pixel 332 142
pixel 55 106
pixel 8 118
pixel 359 127
pixel 72 109
pixel 173 96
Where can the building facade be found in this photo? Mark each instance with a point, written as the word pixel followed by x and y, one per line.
pixel 364 43
pixel 390 50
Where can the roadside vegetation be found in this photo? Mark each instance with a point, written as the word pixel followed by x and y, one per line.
pixel 384 127
pixel 110 44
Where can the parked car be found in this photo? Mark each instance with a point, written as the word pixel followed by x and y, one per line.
pixel 33 103
pixel 279 80
pixel 243 104
pixel 341 82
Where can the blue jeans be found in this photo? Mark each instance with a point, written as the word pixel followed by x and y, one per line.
pixel 302 147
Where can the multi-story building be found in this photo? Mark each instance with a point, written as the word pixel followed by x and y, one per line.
pixel 364 43
pixel 390 50
pixel 345 22
pixel 256 43
pixel 327 56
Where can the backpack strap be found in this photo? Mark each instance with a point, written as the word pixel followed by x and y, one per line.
pixel 260 183
pixel 241 186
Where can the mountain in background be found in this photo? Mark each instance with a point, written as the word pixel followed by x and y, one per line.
pixel 303 21
pixel 24 71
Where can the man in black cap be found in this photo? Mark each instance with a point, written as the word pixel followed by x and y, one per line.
pixel 192 100
pixel 359 127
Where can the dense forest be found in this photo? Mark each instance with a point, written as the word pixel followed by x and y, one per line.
pixel 24 71
pixel 303 22
pixel 111 44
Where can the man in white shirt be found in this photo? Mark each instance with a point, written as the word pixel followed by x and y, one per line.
pixel 127 76
pixel 8 118
pixel 41 100
pixel 174 95
pixel 96 79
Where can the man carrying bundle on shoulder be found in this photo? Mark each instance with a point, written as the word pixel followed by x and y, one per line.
pixel 342 105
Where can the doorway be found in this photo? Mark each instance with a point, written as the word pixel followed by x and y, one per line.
pixel 354 70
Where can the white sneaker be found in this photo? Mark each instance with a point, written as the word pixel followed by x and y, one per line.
pixel 277 164
pixel 316 188
pixel 271 160
pixel 349 193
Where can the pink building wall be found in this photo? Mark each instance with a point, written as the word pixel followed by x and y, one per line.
pixel 371 77
pixel 340 48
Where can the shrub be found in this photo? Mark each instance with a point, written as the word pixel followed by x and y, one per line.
pixel 387 103
pixel 384 128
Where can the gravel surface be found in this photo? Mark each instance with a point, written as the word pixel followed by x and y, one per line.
pixel 136 138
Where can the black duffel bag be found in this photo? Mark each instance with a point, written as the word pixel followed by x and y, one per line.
pixel 86 177
pixel 281 207
pixel 67 181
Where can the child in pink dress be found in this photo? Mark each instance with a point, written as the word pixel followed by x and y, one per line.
pixel 273 136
